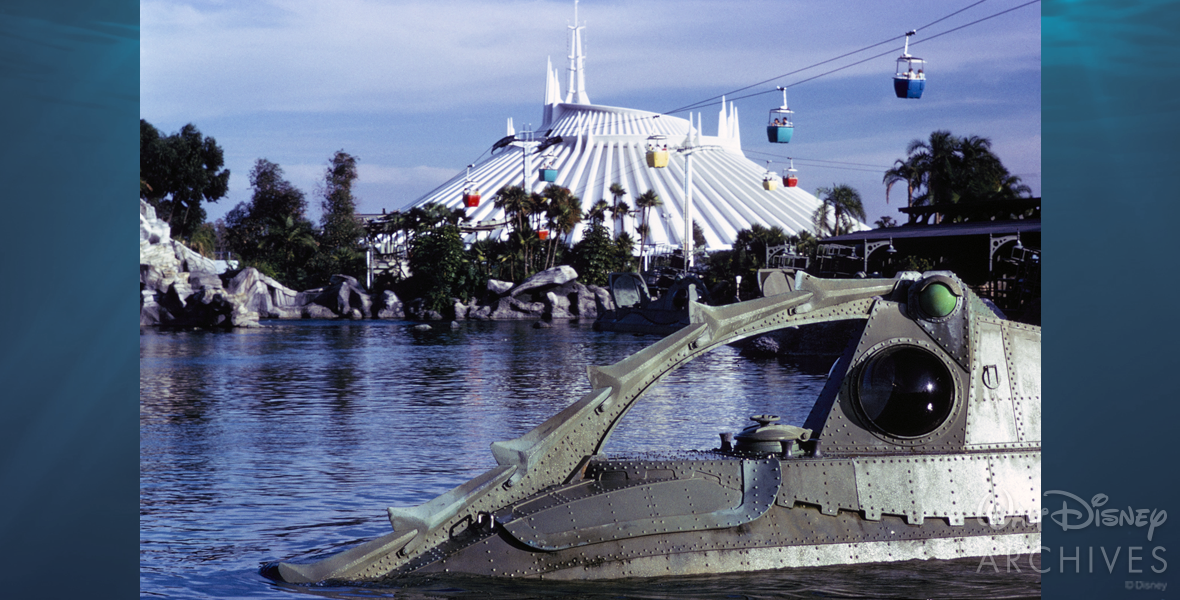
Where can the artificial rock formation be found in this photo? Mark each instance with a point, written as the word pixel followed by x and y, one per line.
pixel 551 294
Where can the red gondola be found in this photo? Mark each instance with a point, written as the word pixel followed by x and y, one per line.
pixel 790 180
pixel 470 191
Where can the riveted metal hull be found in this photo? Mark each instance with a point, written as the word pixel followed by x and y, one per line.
pixel 923 444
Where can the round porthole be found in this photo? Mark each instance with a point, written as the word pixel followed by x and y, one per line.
pixel 905 391
pixel 936 298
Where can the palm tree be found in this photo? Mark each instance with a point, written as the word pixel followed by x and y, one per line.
pixel 563 212
pixel 597 211
pixel 947 169
pixel 934 164
pixel 979 170
pixel 1010 186
pixel 644 203
pixel 514 201
pixel 902 170
pixel 620 208
pixel 846 205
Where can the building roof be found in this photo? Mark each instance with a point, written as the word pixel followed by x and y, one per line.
pixel 601 145
pixel 1006 227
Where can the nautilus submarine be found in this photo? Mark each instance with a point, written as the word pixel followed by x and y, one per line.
pixel 923 444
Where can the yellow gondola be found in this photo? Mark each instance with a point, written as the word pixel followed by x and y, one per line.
pixel 657 152
pixel 770 179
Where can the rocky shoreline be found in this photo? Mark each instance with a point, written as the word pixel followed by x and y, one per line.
pixel 180 288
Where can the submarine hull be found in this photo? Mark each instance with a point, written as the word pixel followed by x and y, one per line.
pixel 733 514
pixel 923 444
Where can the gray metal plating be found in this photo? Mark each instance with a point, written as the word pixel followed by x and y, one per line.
pixel 924 443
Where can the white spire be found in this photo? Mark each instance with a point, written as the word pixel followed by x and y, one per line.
pixel 552 93
pixel 511 129
pixel 723 130
pixel 576 92
pixel 735 130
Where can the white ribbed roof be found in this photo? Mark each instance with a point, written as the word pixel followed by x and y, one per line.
pixel 602 145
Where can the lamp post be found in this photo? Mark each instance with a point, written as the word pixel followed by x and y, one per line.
pixel 688 208
pixel 871 247
pixel 996 243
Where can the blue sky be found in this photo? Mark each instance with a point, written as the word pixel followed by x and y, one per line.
pixel 417 90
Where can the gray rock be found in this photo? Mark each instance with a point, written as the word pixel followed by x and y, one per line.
pixel 498 287
pixel 542 325
pixel 341 296
pixel 509 308
pixel 455 325
pixel 198 280
pixel 390 313
pixel 388 306
pixel 548 277
pixel 422 327
pixel 762 346
pixel 316 311
pixel 558 306
pixel 262 294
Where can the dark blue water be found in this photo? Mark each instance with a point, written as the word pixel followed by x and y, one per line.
pixel 290 441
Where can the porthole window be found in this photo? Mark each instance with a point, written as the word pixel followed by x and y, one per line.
pixel 935 298
pixel 905 391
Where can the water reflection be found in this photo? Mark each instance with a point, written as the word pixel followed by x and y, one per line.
pixel 289 442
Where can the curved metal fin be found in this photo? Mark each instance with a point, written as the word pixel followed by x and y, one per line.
pixel 660 507
pixel 344 565
pixel 523 452
pixel 830 292
pixel 426 517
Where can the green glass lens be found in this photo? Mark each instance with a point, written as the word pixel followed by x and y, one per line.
pixel 937 300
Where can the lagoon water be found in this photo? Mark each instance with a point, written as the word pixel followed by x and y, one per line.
pixel 288 442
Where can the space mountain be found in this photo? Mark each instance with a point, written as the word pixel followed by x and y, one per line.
pixel 591 146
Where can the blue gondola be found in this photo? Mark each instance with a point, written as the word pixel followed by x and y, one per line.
pixel 779 127
pixel 910 79
pixel 548 171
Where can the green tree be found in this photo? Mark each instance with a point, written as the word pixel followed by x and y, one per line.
pixel 341 233
pixel 885 222
pixel 519 207
pixel 699 241
pixel 178 172
pixel 644 203
pixel 748 254
pixel 204 240
pixel 597 212
pixel 624 252
pixel 563 211
pixel 902 171
pixel 845 205
pixel 947 170
pixel 271 231
pixel 619 209
pixel 595 256
pixel 439 267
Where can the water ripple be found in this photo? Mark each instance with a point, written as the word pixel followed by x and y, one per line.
pixel 288 442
